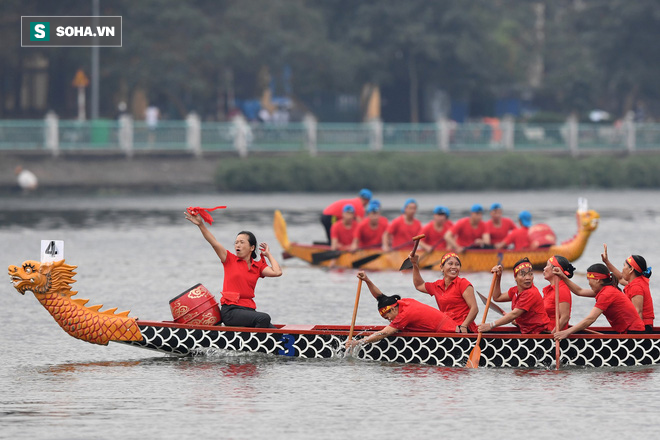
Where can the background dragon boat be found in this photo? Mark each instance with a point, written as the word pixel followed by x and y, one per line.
pixel 51 285
pixel 472 260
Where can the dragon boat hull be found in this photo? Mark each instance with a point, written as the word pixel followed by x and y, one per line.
pixel 472 260
pixel 499 349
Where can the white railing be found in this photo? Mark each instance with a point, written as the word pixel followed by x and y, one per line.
pixel 129 137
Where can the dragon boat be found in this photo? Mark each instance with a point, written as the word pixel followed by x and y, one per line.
pixel 50 283
pixel 472 260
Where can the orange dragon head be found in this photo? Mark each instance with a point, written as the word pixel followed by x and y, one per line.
pixel 588 220
pixel 42 278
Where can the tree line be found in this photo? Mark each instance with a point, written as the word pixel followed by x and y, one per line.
pixel 561 56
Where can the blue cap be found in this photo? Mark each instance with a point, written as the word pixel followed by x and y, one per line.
pixel 365 194
pixel 408 202
pixel 477 208
pixel 495 206
pixel 441 210
pixel 373 206
pixel 525 218
pixel 348 208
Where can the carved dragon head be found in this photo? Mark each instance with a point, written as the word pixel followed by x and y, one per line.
pixel 33 276
pixel 588 220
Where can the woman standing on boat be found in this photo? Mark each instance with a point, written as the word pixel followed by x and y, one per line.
pixel 526 303
pixel 241 275
pixel 635 278
pixel 454 295
pixel 404 314
pixel 610 301
pixel 565 298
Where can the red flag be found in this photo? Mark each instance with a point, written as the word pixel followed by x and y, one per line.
pixel 204 212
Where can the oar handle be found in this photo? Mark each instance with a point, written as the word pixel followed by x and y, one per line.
pixel 355 309
pixel 416 239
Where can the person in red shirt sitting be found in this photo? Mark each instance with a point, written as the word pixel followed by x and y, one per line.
pixel 369 232
pixel 519 238
pixel 526 302
pixel 342 232
pixel 435 230
pixel 402 229
pixel 498 227
pixel 333 212
pixel 242 271
pixel 565 297
pixel 635 278
pixel 468 232
pixel 454 295
pixel 610 301
pixel 404 314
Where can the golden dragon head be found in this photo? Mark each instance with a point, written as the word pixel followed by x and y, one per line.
pixel 588 220
pixel 42 278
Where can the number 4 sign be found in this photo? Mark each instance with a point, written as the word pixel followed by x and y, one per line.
pixel 52 250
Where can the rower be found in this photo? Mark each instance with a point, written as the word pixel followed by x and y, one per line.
pixel 333 212
pixel 404 314
pixel 610 301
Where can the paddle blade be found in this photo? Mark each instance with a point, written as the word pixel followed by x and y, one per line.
pixel 407 264
pixel 362 261
pixel 319 257
pixel 475 356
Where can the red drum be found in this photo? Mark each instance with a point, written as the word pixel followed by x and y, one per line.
pixel 543 234
pixel 196 306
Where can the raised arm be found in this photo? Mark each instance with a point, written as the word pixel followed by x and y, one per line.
pixel 498 295
pixel 616 272
pixel 197 220
pixel 579 291
pixel 274 270
pixel 418 281
pixel 375 291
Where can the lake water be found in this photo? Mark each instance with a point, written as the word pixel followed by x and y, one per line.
pixel 139 252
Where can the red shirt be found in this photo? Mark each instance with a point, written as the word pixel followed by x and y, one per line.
pixel 535 319
pixel 337 208
pixel 402 232
pixel 619 311
pixel 549 301
pixel 499 233
pixel 450 299
pixel 415 316
pixel 433 236
pixel 369 237
pixel 640 286
pixel 343 234
pixel 465 233
pixel 239 283
pixel 519 237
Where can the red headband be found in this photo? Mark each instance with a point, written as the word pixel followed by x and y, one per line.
pixel 597 276
pixel 630 260
pixel 520 267
pixel 447 256
pixel 383 310
pixel 204 212
pixel 555 263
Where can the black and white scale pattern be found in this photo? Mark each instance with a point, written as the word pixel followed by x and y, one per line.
pixel 450 352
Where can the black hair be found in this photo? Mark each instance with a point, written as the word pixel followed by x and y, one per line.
pixel 384 300
pixel 602 269
pixel 253 242
pixel 566 265
pixel 641 262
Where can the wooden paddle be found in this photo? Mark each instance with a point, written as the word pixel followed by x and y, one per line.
pixel 362 261
pixel 407 264
pixel 355 309
pixel 557 347
pixel 475 354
